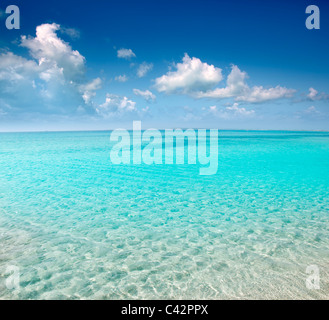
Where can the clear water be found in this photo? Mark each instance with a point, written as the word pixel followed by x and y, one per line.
pixel 78 226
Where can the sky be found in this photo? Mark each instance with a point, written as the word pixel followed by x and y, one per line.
pixel 99 65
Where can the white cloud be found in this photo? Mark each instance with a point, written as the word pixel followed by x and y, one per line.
pixel 146 109
pixel 115 105
pixel 4 107
pixel 147 95
pixel 52 80
pixel 121 78
pixel 125 53
pixel 315 95
pixel 53 54
pixel 231 112
pixel 240 111
pixel 312 110
pixel 17 82
pixel 71 32
pixel 16 68
pixel 192 74
pixel 92 85
pixel 236 87
pixel 88 90
pixel 312 93
pixel 311 113
pixel 260 94
pixel 143 69
pixel 197 79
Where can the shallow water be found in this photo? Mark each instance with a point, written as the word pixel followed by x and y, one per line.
pixel 78 226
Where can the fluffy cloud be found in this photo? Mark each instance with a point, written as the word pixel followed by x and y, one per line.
pixel 71 32
pixel 310 113
pixel 121 78
pixel 239 111
pixel 231 112
pixel 260 94
pixel 18 78
pixel 51 81
pixel 192 74
pixel 197 79
pixel 115 106
pixel 125 53
pixel 315 95
pixel 143 69
pixel 147 95
pixel 53 54
pixel 311 110
pixel 312 93
pixel 14 68
pixel 88 90
pixel 236 87
pixel 4 107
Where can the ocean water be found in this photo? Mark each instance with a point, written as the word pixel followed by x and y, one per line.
pixel 77 226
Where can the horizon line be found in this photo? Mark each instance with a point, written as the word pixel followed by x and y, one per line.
pixel 162 129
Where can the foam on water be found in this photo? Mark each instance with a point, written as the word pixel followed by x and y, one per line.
pixel 78 226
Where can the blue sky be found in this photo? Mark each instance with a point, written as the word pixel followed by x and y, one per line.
pixel 82 65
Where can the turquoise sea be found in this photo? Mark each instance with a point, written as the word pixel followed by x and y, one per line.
pixel 79 227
